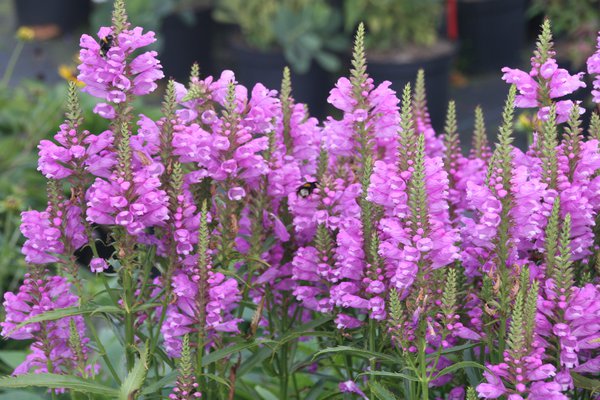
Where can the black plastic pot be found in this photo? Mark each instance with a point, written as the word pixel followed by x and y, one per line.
pixel 491 34
pixel 311 88
pixel 185 44
pixel 66 14
pixel 437 72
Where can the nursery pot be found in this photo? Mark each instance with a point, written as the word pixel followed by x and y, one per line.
pixel 401 70
pixel 491 34
pixel 186 42
pixel 253 66
pixel 65 14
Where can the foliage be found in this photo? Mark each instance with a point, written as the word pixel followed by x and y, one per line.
pixel 305 30
pixel 394 24
pixel 575 21
pixel 150 13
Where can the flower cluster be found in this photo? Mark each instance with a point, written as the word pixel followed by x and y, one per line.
pixel 544 82
pixel 111 72
pixel 52 351
pixel 593 67
pixel 231 229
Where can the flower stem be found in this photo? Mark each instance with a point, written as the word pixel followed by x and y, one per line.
pixel 424 378
pixel 12 62
pixel 129 319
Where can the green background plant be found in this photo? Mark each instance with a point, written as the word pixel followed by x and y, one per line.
pixel 303 29
pixel 395 24
pixel 574 21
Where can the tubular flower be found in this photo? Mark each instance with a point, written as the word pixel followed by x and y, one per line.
pixel 226 150
pixel 136 205
pixel 593 67
pixel 115 76
pixel 50 233
pixel 380 116
pixel 545 81
pixel 51 350
pixel 182 317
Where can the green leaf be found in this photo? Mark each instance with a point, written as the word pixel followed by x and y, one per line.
pixel 472 375
pixel 353 12
pixel 328 61
pixel 258 357
pixel 316 390
pixel 454 349
pixel 265 394
pixel 136 377
pixel 583 382
pixel 226 352
pixel 381 392
pixel 12 358
pixel 338 43
pixel 21 395
pixel 359 353
pixel 56 381
pixel 310 41
pixel 391 375
pixel 218 379
pixel 303 330
pixel 459 365
pixel 161 383
pixel 70 312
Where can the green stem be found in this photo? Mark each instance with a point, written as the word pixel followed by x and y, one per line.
pixel 101 349
pixel 129 319
pixel 424 378
pixel 372 333
pixel 12 62
pixel 199 354
pixel 283 372
pixel 283 360
pixel 295 382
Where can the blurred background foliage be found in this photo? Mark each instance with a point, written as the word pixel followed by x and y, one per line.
pixel 574 23
pixel 395 24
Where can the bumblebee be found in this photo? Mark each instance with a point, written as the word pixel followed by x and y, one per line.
pixel 105 44
pixel 306 189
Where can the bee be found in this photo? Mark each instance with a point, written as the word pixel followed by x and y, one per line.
pixel 306 189
pixel 105 44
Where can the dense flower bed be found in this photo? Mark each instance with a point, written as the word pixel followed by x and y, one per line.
pixel 238 224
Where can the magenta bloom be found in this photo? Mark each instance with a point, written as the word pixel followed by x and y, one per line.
pixel 108 202
pixel 381 118
pixel 399 247
pixel 351 387
pixel 76 152
pixel 593 67
pixel 558 82
pixel 182 316
pixel 50 233
pixel 229 152
pixel 51 347
pixel 117 75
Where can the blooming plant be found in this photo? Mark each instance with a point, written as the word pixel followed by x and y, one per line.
pixel 236 248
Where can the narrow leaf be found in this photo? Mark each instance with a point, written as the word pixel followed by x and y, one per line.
pixel 459 365
pixel 359 353
pixel 583 382
pixel 136 377
pixel 70 312
pixel 391 375
pixel 226 352
pixel 166 380
pixel 56 381
pixel 264 393
pixel 381 392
